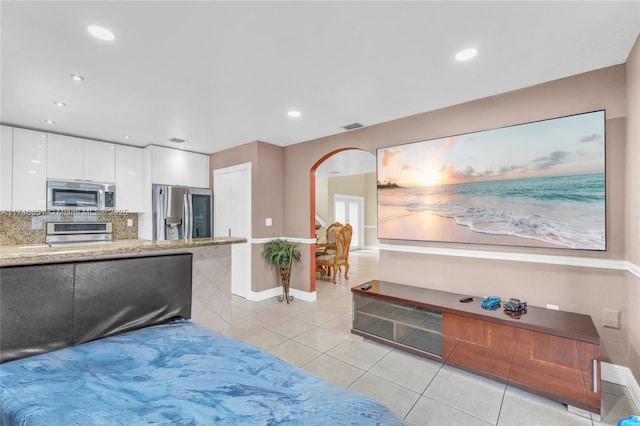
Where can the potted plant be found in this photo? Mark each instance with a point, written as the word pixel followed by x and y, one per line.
pixel 282 253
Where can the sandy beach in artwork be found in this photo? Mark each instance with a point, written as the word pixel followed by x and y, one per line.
pixel 406 225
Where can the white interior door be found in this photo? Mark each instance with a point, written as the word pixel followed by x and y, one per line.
pixel 232 217
pixel 350 209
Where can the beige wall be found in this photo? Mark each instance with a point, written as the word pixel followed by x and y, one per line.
pixel 585 92
pixel 266 201
pixel 323 209
pixel 580 289
pixel 266 182
pixel 633 201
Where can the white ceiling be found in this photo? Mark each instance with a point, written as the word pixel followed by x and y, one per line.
pixel 221 74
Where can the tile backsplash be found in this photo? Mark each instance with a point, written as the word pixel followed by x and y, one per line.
pixel 30 228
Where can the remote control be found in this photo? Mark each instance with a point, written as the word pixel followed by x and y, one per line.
pixel 466 299
pixel 365 287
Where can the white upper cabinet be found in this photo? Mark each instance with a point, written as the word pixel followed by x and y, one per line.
pixel 177 167
pixel 129 178
pixel 6 167
pixel 65 157
pixel 99 161
pixel 199 176
pixel 29 170
pixel 71 158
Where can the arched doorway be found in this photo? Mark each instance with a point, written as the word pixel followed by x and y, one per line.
pixel 337 194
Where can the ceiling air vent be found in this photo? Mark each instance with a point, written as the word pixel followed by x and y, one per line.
pixel 177 140
pixel 352 126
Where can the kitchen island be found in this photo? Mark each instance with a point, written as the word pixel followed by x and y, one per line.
pixel 211 297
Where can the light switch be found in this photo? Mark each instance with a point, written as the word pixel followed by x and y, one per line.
pixel 268 221
pixel 611 318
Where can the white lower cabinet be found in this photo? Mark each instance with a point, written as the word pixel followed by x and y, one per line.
pixel 29 170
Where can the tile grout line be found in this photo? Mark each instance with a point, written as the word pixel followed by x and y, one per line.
pixel 504 394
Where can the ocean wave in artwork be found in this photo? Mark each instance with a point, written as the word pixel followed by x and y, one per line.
pixel 564 211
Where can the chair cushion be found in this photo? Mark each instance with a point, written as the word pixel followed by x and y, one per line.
pixel 326 258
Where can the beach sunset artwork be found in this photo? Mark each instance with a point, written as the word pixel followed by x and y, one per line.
pixel 539 184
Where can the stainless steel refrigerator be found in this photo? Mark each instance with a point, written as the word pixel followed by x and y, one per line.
pixel 181 212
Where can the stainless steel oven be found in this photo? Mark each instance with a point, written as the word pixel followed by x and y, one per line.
pixel 61 233
pixel 78 195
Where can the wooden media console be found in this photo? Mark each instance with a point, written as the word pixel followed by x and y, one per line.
pixel 554 354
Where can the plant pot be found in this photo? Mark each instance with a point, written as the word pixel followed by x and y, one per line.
pixel 285 276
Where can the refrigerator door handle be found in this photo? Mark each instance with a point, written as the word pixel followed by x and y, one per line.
pixel 188 216
pixel 159 212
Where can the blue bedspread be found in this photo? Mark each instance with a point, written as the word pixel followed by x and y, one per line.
pixel 178 374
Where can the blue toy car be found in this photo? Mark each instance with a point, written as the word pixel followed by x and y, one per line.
pixel 490 302
pixel 630 421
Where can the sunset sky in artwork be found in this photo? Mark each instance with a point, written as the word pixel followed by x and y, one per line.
pixel 564 146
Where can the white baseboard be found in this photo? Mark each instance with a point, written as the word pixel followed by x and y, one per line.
pixel 305 296
pixel 622 376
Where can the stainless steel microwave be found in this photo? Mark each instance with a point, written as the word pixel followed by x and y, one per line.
pixel 79 195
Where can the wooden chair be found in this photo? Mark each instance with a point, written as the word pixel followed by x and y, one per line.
pixel 330 240
pixel 341 256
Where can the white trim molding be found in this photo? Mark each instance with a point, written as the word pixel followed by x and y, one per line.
pixel 635 270
pixel 622 376
pixel 620 265
pixel 321 221
pixel 305 296
pixel 291 239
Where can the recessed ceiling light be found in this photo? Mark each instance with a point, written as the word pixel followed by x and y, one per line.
pixel 101 33
pixel 77 77
pixel 60 104
pixel 466 54
pixel 294 113
pixel 126 136
pixel 49 121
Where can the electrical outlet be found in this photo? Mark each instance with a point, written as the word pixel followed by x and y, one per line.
pixel 268 222
pixel 611 318
pixel 129 222
pixel 554 307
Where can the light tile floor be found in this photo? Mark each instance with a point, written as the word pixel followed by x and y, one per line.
pixel 316 336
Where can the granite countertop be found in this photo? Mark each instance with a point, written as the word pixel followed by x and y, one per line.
pixel 42 253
